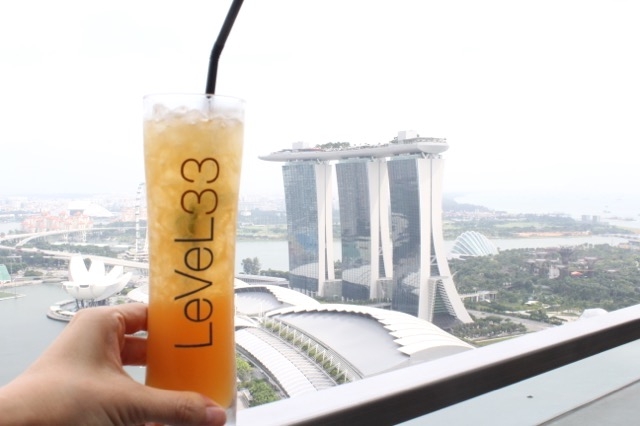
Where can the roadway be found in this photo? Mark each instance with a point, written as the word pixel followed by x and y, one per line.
pixel 24 238
pixel 531 325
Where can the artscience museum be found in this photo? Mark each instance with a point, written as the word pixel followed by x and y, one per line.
pixel 90 285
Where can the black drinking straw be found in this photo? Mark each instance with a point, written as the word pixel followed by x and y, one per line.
pixel 219 45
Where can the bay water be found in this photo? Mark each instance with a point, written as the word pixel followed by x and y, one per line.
pixel 25 330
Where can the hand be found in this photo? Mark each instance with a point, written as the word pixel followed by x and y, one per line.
pixel 80 380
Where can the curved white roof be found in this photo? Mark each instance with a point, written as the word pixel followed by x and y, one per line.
pixel 472 243
pixel 355 332
pixel 295 373
pixel 259 299
pixel 309 270
pixel 358 275
pixel 94 283
pixel 90 209
pixel 591 313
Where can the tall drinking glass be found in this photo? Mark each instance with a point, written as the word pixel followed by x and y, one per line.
pixel 193 152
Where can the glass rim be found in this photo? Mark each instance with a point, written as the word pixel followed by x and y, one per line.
pixel 159 104
pixel 176 95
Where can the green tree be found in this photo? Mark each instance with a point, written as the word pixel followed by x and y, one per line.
pixel 606 277
pixel 251 266
pixel 334 145
pixel 275 273
pixel 261 393
pixel 244 369
pixel 32 273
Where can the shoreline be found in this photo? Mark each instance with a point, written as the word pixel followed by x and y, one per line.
pixel 551 234
pixel 13 284
pixel 13 296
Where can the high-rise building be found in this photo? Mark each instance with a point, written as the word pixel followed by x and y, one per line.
pixel 364 228
pixel 390 203
pixel 308 194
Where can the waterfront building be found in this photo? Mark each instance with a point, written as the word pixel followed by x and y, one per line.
pixel 390 200
pixel 90 286
pixel 47 221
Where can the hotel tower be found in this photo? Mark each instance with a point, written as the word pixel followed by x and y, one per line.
pixel 390 204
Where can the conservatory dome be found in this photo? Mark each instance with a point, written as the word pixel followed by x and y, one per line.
pixel 472 243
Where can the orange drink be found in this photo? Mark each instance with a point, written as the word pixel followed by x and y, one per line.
pixel 193 154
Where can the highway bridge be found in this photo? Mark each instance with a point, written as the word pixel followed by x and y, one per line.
pixel 19 240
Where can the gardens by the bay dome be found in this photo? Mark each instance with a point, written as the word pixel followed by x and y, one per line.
pixel 472 244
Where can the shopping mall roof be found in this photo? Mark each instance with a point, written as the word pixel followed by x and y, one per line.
pixel 356 332
pixel 369 340
pixel 253 300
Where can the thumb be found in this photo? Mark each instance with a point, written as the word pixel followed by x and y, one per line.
pixel 178 408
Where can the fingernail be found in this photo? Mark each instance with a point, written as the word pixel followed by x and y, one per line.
pixel 215 416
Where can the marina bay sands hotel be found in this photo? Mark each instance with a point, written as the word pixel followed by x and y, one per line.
pixel 390 204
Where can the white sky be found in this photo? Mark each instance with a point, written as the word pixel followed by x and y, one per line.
pixel 529 94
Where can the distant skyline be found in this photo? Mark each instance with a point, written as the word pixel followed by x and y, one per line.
pixel 531 96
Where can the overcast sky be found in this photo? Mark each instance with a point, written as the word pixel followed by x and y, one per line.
pixel 531 95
